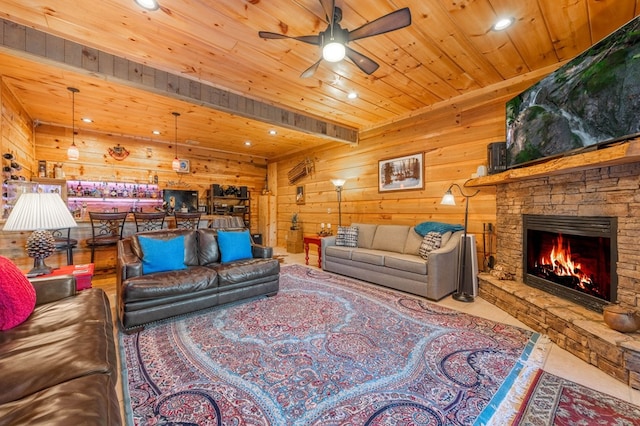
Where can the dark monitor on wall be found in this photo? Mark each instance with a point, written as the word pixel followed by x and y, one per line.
pixel 180 200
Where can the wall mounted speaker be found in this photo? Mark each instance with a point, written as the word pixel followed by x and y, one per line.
pixel 497 157
pixel 244 192
pixel 216 190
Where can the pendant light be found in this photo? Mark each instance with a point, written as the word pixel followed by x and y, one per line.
pixel 73 153
pixel 175 165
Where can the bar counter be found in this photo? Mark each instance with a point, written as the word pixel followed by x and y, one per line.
pixel 12 244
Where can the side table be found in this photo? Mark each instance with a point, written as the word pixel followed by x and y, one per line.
pixel 83 274
pixel 313 239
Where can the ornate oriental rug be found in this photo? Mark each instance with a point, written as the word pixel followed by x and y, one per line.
pixel 327 350
pixel 553 400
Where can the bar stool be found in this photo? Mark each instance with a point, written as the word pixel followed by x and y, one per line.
pixel 187 220
pixel 106 230
pixel 62 241
pixel 149 221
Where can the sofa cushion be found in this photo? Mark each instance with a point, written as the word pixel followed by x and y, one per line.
pixel 432 241
pixel 340 252
pixel 390 238
pixel 17 295
pixel 366 233
pixel 347 236
pixel 159 255
pixel 234 245
pixel 413 242
pixel 170 283
pixel 373 257
pixel 208 250
pixel 406 262
pixel 246 270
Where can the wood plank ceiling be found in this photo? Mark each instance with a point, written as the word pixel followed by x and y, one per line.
pixel 449 50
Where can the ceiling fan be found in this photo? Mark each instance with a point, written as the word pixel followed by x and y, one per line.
pixel 335 38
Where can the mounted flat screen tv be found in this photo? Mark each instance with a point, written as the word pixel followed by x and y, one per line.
pixel 590 101
pixel 180 200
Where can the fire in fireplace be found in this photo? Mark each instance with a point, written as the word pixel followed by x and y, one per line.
pixel 572 257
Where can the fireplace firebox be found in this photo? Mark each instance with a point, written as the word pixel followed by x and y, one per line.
pixel 572 257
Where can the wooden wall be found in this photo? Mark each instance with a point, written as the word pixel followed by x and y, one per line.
pixel 453 138
pixel 15 133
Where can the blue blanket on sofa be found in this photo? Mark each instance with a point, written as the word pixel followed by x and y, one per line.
pixel 425 227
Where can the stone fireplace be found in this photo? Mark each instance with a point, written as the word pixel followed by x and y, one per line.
pixel 611 192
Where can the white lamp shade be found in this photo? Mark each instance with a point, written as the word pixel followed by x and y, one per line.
pixel 175 164
pixel 38 211
pixel 338 182
pixel 448 199
pixel 333 52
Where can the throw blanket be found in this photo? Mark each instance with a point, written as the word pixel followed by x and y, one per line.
pixel 425 227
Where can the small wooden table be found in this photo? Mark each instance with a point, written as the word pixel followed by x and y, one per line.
pixel 312 239
pixel 83 274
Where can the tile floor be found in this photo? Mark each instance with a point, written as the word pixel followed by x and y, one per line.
pixel 558 362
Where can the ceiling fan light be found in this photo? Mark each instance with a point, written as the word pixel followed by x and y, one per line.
pixel 333 52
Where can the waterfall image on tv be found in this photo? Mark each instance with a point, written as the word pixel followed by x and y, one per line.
pixel 591 100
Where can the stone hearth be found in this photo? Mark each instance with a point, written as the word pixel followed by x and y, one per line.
pixel 600 191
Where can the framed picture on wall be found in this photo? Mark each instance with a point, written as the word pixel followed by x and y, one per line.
pixel 184 166
pixel 401 173
pixel 300 195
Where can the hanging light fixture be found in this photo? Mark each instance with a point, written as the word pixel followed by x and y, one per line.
pixel 175 165
pixel 73 153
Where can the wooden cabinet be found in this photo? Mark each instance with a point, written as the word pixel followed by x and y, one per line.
pixel 295 241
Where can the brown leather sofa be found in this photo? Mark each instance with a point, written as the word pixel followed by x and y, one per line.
pixel 59 367
pixel 206 282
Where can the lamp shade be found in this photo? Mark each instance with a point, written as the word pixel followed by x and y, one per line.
pixel 73 153
pixel 448 199
pixel 37 211
pixel 338 182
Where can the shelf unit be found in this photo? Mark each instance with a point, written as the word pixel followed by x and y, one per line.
pixel 230 205
pixel 83 195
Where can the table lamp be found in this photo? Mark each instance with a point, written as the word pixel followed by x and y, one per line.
pixel 39 212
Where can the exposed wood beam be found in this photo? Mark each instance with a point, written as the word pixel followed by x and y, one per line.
pixel 42 47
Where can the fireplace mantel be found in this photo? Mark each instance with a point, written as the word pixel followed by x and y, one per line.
pixel 620 153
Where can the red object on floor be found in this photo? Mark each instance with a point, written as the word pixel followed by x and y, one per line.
pixel 83 274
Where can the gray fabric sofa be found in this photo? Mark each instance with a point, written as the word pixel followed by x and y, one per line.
pixel 388 255
pixel 206 282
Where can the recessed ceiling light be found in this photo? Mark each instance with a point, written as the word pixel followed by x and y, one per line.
pixel 87 120
pixel 272 132
pixel 247 143
pixel 148 4
pixel 156 132
pixel 502 24
pixel 352 95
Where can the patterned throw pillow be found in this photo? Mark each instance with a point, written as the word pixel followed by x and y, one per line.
pixel 347 236
pixel 430 242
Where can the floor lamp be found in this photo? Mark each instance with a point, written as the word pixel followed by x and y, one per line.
pixel 449 200
pixel 39 212
pixel 339 183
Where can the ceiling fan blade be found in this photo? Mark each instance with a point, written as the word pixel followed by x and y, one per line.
pixel 309 72
pixel 393 21
pixel 328 6
pixel 368 66
pixel 310 39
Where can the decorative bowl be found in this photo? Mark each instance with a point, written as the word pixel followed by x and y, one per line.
pixel 620 318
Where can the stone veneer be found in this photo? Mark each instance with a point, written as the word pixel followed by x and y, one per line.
pixel 605 191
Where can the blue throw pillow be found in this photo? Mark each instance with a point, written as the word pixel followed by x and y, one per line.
pixel 234 245
pixel 162 255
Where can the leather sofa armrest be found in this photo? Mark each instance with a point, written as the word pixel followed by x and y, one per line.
pixel 128 265
pixel 262 252
pixel 53 288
